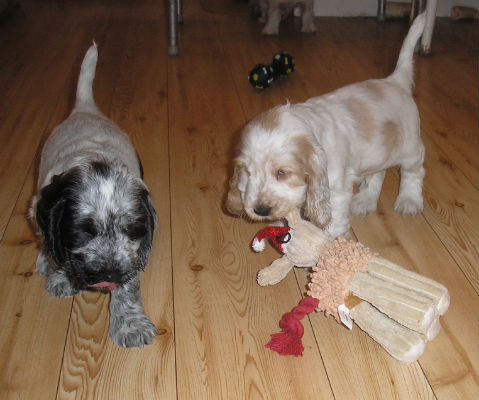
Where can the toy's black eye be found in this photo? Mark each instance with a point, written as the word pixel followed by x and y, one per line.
pixel 281 173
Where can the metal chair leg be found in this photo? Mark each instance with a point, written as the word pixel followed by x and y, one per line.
pixel 381 10
pixel 173 28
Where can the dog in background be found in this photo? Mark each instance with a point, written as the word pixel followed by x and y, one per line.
pixel 271 12
pixel 310 155
pixel 94 213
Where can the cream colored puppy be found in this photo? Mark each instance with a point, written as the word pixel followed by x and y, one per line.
pixel 309 155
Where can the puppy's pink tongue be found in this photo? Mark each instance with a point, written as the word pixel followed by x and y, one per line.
pixel 111 286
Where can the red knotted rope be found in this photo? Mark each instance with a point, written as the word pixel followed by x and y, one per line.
pixel 288 341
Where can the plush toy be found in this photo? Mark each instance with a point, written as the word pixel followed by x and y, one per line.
pixel 261 76
pixel 398 308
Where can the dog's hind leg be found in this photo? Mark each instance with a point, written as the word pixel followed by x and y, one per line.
pixel 129 325
pixel 274 19
pixel 409 200
pixel 307 22
pixel 263 6
pixel 366 200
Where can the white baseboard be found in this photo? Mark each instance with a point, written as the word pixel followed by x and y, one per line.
pixel 369 8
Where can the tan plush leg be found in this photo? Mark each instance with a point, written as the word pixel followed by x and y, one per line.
pixel 391 272
pixel 409 298
pixel 433 330
pixel 402 343
pixel 401 304
pixel 275 272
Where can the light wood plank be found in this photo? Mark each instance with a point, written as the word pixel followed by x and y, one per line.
pixel 223 318
pixel 34 325
pixel 450 361
pixel 451 104
pixel 452 209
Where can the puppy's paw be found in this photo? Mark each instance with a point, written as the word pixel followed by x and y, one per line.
pixel 270 30
pixel 363 203
pixel 132 330
pixel 42 266
pixel 58 285
pixel 408 205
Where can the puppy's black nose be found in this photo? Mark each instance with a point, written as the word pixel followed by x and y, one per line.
pixel 262 211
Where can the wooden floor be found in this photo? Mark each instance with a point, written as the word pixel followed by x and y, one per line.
pixel 184 116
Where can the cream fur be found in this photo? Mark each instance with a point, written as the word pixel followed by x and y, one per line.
pixel 311 154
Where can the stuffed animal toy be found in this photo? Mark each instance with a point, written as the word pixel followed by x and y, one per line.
pixel 398 308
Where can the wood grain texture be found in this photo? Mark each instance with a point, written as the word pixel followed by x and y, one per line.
pixel 34 325
pixel 220 312
pixel 411 242
pixel 184 116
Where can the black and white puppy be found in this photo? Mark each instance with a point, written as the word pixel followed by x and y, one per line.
pixel 94 213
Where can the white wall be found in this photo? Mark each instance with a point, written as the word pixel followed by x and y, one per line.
pixel 355 8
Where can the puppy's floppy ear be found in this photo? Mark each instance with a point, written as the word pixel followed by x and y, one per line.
pixel 150 224
pixel 52 210
pixel 234 204
pixel 317 207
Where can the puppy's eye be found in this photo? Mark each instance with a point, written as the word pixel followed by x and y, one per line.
pixel 81 233
pixel 135 231
pixel 88 227
pixel 281 173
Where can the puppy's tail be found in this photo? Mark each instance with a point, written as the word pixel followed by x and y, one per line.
pixel 85 80
pixel 404 72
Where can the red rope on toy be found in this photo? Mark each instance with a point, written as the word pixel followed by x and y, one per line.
pixel 288 341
